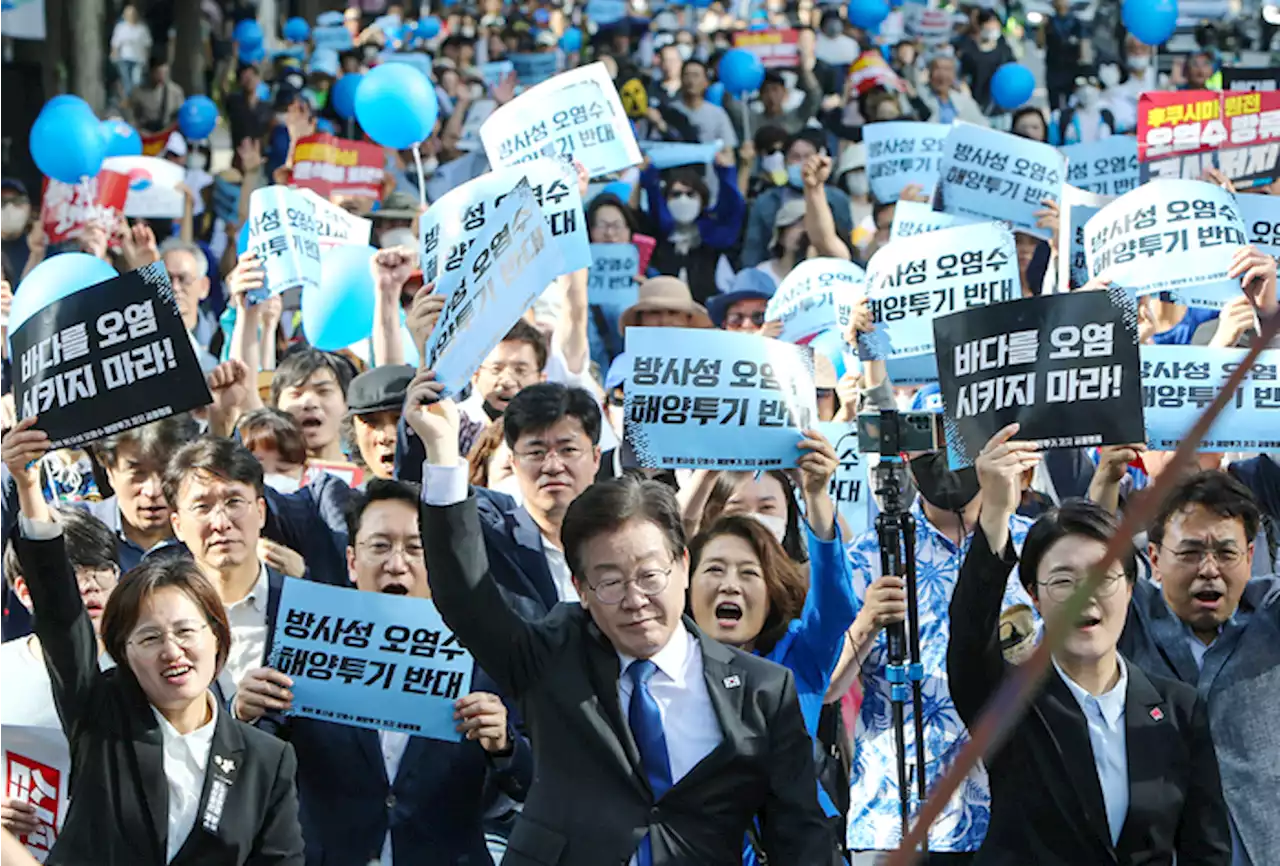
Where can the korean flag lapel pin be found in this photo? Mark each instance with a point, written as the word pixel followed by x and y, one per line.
pixel 226 765
pixel 732 681
pixel 1157 714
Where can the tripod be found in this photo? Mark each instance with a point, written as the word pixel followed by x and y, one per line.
pixel 896 533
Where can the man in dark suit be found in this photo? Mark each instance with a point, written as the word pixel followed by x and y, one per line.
pixel 654 744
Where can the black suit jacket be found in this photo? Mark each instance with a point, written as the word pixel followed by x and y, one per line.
pixel 1046 801
pixel 119 796
pixel 590 803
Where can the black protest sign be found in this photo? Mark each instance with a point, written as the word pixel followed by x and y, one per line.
pixel 107 358
pixel 1064 367
pixel 1257 78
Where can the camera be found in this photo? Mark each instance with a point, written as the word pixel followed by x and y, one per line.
pixel 890 433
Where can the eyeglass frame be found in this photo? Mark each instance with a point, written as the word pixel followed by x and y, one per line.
pixel 1107 587
pixel 164 635
pixel 400 546
pixel 531 460
pixel 756 318
pixel 609 583
pixel 1207 552
pixel 222 504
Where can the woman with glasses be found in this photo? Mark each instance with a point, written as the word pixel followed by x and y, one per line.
pixel 1108 764
pixel 160 774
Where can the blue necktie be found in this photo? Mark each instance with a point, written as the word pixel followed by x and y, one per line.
pixel 646 726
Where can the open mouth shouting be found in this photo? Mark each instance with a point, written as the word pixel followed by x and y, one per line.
pixel 728 614
pixel 1088 622
pixel 1207 598
pixel 394 589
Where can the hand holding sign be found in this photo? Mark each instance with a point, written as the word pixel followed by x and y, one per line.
pixel 23 447
pixel 18 817
pixel 435 420
pixel 262 691
pixel 245 279
pixel 423 314
pixel 1000 466
pixel 482 717
pixel 1257 273
pixel 817 466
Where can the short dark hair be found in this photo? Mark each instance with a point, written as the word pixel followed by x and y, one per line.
pixel 693 61
pixel 299 366
pixel 539 406
pixel 605 506
pixel 90 543
pixel 225 458
pixel 608 199
pixel 1215 491
pixel 143 581
pixel 985 15
pixel 722 492
pixel 154 441
pixel 773 77
pixel 689 178
pixel 523 332
pixel 813 136
pixel 1073 517
pixel 268 427
pixel 379 490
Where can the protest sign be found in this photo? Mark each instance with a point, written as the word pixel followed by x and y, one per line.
pixel 282 231
pixel 850 487
pixel 776 49
pixel 1265 78
pixel 351 474
pixel 576 113
pixel 331 166
pixel 606 11
pixel 449 227
pixel 1106 167
pixel 965 266
pixel 1064 367
pixel 66 208
pixel 611 288
pixel 417 59
pixel 336 227
pixel 369 660
pixel 331 38
pixel 997 176
pixel 1169 236
pixel 930 26
pixel 108 358
pixel 1182 133
pixel 918 218
pixel 902 152
pixel 153 186
pixel 1076 208
pixel 806 302
pixel 670 154
pixel 534 69
pixel 37 770
pixel 1179 383
pixel 469 141
pixel 494 71
pixel 1261 216
pixel 455 173
pixel 508 265
pixel 701 399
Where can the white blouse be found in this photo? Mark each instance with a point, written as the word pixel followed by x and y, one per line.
pixel 185 758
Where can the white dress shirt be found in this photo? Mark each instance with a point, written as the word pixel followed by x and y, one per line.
pixel 185 759
pixel 393 744
pixel 1105 716
pixel 248 620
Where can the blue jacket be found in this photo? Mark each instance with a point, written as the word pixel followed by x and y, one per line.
pixel 719 227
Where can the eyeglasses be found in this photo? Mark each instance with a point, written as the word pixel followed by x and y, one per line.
pixel 105 578
pixel 737 320
pixel 1194 557
pixel 611 226
pixel 153 640
pixel 650 582
pixel 537 457
pixel 1062 588
pixel 517 370
pixel 824 393
pixel 234 508
pixel 380 550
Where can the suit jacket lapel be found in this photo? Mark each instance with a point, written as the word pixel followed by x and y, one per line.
pixel 226 754
pixel 1070 731
pixel 532 560
pixel 603 669
pixel 1170 637
pixel 275 585
pixel 370 745
pixel 148 750
pixel 726 686
pixel 1147 744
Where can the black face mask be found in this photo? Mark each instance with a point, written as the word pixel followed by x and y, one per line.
pixel 941 486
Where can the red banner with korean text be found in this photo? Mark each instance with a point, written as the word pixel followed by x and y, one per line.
pixel 331 166
pixel 1180 134
pixel 66 208
pixel 777 49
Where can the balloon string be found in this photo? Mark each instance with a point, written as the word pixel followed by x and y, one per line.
pixel 422 183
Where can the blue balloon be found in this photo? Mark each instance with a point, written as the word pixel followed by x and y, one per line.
pixel 339 311
pixel 121 138
pixel 541 17
pixel 741 71
pixel 252 53
pixel 571 41
pixel 344 95
pixel 396 105
pixel 324 124
pixel 247 32
pixel 66 99
pixel 197 117
pixel 867 14
pixel 1012 86
pixel 54 279
pixel 1151 22
pixel 715 93
pixel 429 27
pixel 66 142
pixel 296 30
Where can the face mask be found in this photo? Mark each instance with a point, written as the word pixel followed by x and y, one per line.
pixel 397 238
pixel 684 49
pixel 857 184
pixel 773 163
pixel 795 175
pixel 1139 64
pixel 281 483
pixel 1087 97
pixel 684 209
pixel 941 486
pixel 776 524
pixel 429 165
pixel 990 37
pixel 1109 76
pixel 198 162
pixel 13 218
pixel 468 33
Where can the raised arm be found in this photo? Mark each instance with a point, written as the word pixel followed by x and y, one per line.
pixel 390 272
pixel 819 224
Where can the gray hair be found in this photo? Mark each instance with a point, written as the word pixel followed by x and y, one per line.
pixel 178 245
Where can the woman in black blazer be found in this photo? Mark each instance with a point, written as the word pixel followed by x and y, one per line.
pixel 1109 765
pixel 160 774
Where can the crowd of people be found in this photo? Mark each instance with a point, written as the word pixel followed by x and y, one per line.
pixel 674 665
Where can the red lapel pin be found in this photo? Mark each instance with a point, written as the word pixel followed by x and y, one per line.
pixel 1157 714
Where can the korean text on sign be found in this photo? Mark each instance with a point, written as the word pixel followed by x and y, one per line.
pixel 909 284
pixel 1077 208
pixel 577 113
pixel 108 358
pixel 776 49
pixel 1106 167
pixel 336 227
pixel 1179 382
pixel 611 288
pixel 716 399
pixel 331 166
pixel 283 232
pixel 850 486
pixel 901 153
pixel 918 218
pixel 1169 235
pixel 997 176
pixel 1261 215
pixel 37 770
pixel 67 208
pixel 1064 367
pixel 369 660
pixel 1181 134
pixel 807 301
pixel 507 267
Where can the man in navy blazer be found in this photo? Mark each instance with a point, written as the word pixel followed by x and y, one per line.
pixel 382 796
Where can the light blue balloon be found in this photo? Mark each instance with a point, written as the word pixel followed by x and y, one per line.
pixel 1012 85
pixel 396 105
pixel 571 41
pixel 867 14
pixel 429 27
pixel 715 93
pixel 1151 22
pixel 344 95
pixel 66 99
pixel 339 311
pixel 247 32
pixel 54 279
pixel 197 118
pixel 66 141
pixel 121 138
pixel 741 71
pixel 296 30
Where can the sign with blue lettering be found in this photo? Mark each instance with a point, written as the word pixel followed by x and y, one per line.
pixel 993 175
pixel 1179 382
pixel 1106 167
pixel 903 152
pixel 811 297
pixel 851 485
pixel 534 69
pixel 672 154
pixel 611 288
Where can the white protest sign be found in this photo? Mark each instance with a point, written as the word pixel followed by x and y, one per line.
pixel 336 227
pixel 993 175
pixel 454 222
pixel 37 770
pixel 1261 215
pixel 153 183
pixel 1107 167
pixel 807 300
pixel 931 26
pixel 1076 208
pixel 455 173
pixel 850 485
pixel 477 114
pixel 903 152
pixel 282 231
pixel 1169 235
pixel 505 269
pixel 577 113
pixel 909 284
pixel 918 218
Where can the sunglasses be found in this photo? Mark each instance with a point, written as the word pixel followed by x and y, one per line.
pixel 734 320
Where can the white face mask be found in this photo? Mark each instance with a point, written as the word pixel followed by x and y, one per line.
pixel 429 165
pixel 1087 97
pixel 13 218
pixel 857 184
pixel 198 162
pixel 684 49
pixel 776 524
pixel 1109 75
pixel 397 238
pixel 990 37
pixel 685 209
pixel 1139 63
pixel 773 163
pixel 281 483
